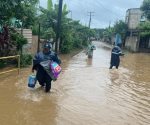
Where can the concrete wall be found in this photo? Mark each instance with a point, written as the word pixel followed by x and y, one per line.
pixel 132 43
pixel 27 33
pixel 34 44
pixel 133 17
pixel 112 40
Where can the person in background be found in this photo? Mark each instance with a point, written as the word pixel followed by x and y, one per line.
pixel 90 49
pixel 115 57
pixel 40 61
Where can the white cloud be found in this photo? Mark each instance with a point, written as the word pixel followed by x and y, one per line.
pixel 105 11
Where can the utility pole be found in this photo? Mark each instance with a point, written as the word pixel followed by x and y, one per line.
pixel 39 30
pixel 90 18
pixel 71 13
pixel 109 24
pixel 38 48
pixel 58 25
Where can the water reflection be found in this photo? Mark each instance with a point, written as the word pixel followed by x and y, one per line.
pixel 89 61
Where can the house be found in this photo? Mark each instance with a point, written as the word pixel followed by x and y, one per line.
pixel 133 17
pixel 133 41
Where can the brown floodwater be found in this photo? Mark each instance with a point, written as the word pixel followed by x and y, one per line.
pixel 86 93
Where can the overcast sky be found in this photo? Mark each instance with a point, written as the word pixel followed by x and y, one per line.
pixel 105 11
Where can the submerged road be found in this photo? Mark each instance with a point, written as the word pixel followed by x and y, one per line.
pixel 86 93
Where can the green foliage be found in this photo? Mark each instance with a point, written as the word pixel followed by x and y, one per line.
pixel 77 43
pixel 144 28
pixel 98 33
pixel 23 10
pixel 19 41
pixel 108 32
pixel 35 29
pixel 25 60
pixel 49 5
pixel 72 34
pixel 67 43
pixel 48 22
pixel 120 27
pixel 2 64
pixel 49 33
pixel 7 46
pixel 146 8
pixel 65 9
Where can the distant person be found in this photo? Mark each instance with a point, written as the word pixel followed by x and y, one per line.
pixel 90 49
pixel 115 57
pixel 118 41
pixel 42 60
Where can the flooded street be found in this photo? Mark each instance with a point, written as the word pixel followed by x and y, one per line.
pixel 86 93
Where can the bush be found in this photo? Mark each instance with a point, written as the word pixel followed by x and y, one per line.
pixel 67 43
pixel 19 41
pixel 25 60
pixel 2 64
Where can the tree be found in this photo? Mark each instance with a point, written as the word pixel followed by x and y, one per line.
pixel 99 33
pixel 146 8
pixel 20 10
pixel 144 29
pixel 73 34
pixel 50 5
pixel 108 33
pixel 23 10
pixel 19 41
pixel 121 28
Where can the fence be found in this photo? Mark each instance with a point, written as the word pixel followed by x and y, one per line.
pixel 14 69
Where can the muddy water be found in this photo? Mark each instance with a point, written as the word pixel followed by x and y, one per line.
pixel 86 93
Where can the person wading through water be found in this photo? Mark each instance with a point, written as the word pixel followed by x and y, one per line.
pixel 41 60
pixel 90 49
pixel 115 57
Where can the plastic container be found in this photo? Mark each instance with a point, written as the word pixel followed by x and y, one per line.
pixel 31 81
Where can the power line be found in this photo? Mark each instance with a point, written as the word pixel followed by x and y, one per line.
pixel 115 14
